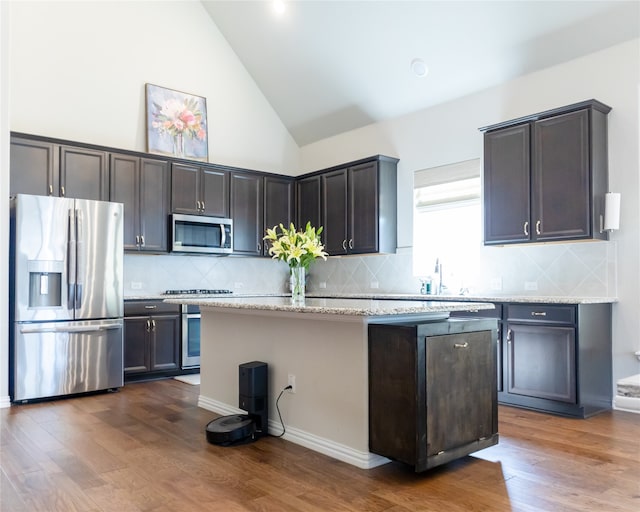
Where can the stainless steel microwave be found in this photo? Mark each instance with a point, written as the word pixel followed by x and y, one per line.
pixel 200 234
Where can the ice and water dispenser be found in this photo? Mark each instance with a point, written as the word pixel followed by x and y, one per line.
pixel 45 284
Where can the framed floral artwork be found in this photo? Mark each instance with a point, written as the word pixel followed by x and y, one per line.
pixel 176 123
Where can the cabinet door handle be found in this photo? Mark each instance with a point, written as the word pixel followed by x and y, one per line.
pixel 344 245
pixel 50 190
pixel 153 325
pixel 62 192
pixel 148 325
pixel 526 228
pixel 142 240
pixel 202 205
pixel 509 333
pixel 538 232
pixel 198 205
pixel 137 239
pixel 259 247
pixel 538 313
pixel 350 243
pixel 461 345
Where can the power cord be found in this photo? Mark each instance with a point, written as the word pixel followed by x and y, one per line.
pixel 278 409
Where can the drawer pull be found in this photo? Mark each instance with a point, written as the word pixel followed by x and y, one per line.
pixel 150 307
pixel 461 345
pixel 538 313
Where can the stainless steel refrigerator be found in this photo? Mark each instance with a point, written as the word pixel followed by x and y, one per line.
pixel 66 303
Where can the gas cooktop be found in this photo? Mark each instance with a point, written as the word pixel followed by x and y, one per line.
pixel 197 292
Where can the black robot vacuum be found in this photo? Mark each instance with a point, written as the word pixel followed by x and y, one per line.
pixel 253 398
pixel 234 429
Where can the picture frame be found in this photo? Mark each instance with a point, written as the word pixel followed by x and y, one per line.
pixel 177 123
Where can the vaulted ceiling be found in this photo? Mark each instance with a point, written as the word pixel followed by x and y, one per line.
pixel 327 67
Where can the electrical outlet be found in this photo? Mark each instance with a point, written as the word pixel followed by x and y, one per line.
pixel 374 284
pixel 496 284
pixel 322 284
pixel 136 285
pixel 291 381
pixel 531 285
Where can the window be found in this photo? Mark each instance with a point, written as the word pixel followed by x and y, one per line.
pixel 447 225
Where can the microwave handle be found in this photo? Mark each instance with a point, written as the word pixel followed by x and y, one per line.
pixel 223 239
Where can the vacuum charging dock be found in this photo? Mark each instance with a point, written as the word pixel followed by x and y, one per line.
pixel 253 398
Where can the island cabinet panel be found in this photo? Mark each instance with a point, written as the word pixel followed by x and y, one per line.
pixel 489 313
pixel 279 204
pixel 308 201
pixel 151 339
pixel 432 390
pixel 546 175
pixel 142 186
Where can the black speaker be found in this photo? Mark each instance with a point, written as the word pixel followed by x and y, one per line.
pixel 253 393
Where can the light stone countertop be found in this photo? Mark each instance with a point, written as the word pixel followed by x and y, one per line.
pixel 335 306
pixel 524 299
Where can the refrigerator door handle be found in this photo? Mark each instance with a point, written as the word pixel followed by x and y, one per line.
pixel 75 329
pixel 71 259
pixel 79 258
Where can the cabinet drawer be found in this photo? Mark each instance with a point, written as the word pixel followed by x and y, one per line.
pixel 150 307
pixel 481 313
pixel 542 313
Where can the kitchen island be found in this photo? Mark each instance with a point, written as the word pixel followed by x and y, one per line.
pixel 323 343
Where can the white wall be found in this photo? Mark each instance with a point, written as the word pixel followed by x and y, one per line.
pixel 448 133
pixel 78 72
pixel 4 203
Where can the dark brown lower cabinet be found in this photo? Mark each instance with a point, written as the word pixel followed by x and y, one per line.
pixel 151 338
pixel 432 390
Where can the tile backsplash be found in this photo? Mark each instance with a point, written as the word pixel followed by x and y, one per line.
pixel 577 269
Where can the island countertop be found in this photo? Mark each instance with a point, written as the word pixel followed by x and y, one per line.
pixel 336 306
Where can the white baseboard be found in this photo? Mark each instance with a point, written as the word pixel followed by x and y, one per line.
pixel 626 403
pixel 360 459
pixel 5 401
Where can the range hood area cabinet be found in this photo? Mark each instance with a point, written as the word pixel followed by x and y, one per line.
pixel 142 186
pixel 47 167
pixel 356 203
pixel 546 176
pixel 199 190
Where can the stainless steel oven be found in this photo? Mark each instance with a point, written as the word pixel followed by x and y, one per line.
pixel 191 325
pixel 190 336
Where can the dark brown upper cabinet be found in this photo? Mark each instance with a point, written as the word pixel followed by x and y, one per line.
pixel 308 200
pixel 247 212
pixel 279 204
pixel 358 207
pixel 142 185
pixel 46 168
pixel 34 167
pixel 199 190
pixel 545 176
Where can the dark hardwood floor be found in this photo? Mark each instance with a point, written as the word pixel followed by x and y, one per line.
pixel 144 449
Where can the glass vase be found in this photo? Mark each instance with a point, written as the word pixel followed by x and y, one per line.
pixel 297 285
pixel 178 145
